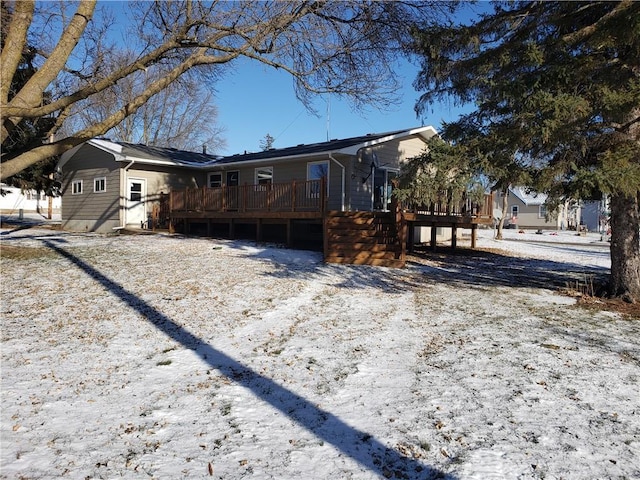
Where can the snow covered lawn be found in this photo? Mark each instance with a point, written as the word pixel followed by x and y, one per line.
pixel 168 357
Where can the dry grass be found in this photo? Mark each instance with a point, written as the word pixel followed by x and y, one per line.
pixel 15 252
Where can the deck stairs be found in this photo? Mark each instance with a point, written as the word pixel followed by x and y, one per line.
pixel 363 238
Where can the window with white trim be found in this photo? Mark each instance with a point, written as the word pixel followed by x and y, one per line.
pixel 264 175
pixel 514 211
pixel 215 180
pixel 542 211
pixel 100 185
pixel 76 187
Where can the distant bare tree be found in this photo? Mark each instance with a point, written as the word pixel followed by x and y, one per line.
pixel 267 142
pixel 181 116
pixel 345 48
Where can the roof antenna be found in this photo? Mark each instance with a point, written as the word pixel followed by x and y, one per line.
pixel 328 109
pixel 328 115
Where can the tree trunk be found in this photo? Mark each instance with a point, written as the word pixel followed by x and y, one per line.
pixel 625 248
pixel 505 207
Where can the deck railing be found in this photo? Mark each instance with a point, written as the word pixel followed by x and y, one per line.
pixel 305 196
pixel 464 208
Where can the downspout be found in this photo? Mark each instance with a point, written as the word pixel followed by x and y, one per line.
pixel 123 188
pixel 342 186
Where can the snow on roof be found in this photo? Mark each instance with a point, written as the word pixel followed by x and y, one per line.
pixel 528 196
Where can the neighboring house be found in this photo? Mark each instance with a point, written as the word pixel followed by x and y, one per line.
pixel 108 185
pixel 14 200
pixel 527 209
pixel 595 215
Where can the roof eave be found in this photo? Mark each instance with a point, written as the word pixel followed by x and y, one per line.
pixel 262 161
pixel 157 161
pixel 425 132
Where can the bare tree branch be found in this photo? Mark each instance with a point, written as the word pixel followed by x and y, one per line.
pixel 347 48
pixel 30 94
pixel 14 45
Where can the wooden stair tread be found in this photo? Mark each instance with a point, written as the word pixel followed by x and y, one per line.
pixel 376 262
pixel 362 238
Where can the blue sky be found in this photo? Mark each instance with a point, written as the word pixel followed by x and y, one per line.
pixel 254 101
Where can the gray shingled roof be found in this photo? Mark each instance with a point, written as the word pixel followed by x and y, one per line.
pixel 300 150
pixel 186 158
pixel 167 154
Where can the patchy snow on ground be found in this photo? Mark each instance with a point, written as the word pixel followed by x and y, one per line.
pixel 169 357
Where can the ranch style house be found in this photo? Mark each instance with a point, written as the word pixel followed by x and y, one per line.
pixel 335 195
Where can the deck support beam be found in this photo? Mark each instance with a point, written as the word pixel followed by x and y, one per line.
pixel 434 236
pixel 259 230
pixel 474 235
pixel 454 237
pixel 232 229
pixel 411 237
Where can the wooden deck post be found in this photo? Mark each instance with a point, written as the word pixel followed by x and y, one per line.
pixel 403 237
pixel 474 235
pixel 223 192
pixel 289 236
pixel 232 229
pixel 269 196
pixel 244 198
pixel 293 196
pixel 434 236
pixel 325 233
pixel 411 234
pixel 259 230
pixel 454 237
pixel 323 193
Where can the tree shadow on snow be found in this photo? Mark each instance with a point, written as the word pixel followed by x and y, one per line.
pixel 483 269
pixel 463 268
pixel 367 451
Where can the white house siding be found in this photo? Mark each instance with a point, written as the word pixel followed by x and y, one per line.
pixel 90 211
pixel 15 200
pixel 593 215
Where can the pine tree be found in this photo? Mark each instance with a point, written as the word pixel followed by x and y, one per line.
pixel 441 174
pixel 267 142
pixel 560 82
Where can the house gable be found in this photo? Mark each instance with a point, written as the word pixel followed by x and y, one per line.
pixel 85 207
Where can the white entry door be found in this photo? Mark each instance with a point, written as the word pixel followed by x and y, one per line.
pixel 136 194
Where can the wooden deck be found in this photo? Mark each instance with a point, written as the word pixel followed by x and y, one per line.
pixel 371 238
pixel 465 214
pixel 279 200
